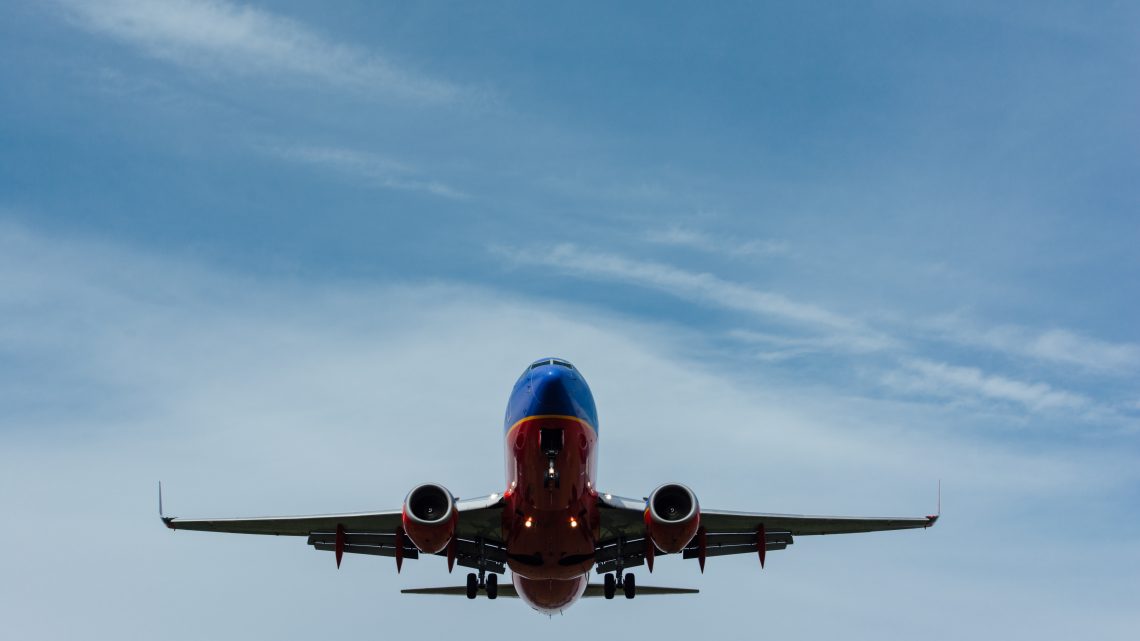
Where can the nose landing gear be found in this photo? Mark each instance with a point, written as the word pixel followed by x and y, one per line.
pixel 550 441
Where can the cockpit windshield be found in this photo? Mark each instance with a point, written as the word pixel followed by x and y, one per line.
pixel 551 361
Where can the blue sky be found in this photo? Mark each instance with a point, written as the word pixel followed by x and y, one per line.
pixel 812 258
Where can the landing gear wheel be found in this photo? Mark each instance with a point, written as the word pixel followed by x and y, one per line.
pixel 472 586
pixel 493 586
pixel 629 585
pixel 609 586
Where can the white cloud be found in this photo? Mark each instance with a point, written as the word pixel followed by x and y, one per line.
pixel 704 288
pixel 1057 346
pixel 951 380
pixel 373 168
pixel 227 38
pixel 696 239
pixel 812 330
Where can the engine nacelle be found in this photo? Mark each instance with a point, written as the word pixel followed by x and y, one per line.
pixel 429 517
pixel 672 518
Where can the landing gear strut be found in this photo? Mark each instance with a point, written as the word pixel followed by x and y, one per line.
pixel 489 584
pixel 619 579
pixel 482 581
pixel 550 441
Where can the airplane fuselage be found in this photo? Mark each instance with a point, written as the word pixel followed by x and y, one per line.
pixel 550 524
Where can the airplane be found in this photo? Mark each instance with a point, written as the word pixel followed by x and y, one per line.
pixel 551 525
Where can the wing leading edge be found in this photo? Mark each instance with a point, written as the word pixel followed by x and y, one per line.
pixel 375 533
pixel 727 532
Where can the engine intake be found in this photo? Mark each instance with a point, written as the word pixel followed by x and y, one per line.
pixel 673 517
pixel 429 517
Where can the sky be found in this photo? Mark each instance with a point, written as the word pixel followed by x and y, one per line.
pixel 811 257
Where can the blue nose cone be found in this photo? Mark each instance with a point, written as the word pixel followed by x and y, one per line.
pixel 557 390
pixel 552 388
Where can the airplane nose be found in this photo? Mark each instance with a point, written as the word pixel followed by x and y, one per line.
pixel 552 394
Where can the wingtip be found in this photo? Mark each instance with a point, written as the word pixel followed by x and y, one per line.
pixel 168 521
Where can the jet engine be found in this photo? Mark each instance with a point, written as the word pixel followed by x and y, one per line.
pixel 429 517
pixel 673 516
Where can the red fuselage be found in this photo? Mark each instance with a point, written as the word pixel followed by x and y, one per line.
pixel 550 523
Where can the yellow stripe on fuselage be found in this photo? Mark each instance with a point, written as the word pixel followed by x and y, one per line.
pixel 542 416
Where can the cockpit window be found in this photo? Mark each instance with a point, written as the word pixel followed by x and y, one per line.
pixel 551 361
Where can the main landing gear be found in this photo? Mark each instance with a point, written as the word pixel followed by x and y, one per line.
pixel 489 584
pixel 623 579
pixel 626 582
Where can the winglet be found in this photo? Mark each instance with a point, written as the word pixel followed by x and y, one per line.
pixel 165 519
pixel 932 518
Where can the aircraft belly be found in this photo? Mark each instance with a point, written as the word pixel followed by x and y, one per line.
pixel 550 596
pixel 551 523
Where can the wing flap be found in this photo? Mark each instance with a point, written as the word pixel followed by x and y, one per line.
pixel 374 550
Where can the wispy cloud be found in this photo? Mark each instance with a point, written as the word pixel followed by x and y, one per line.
pixel 704 288
pixel 774 348
pixel 791 329
pixel 943 379
pixel 695 239
pixel 1058 346
pixel 227 38
pixel 372 168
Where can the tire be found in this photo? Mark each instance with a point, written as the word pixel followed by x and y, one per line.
pixel 472 586
pixel 609 586
pixel 629 585
pixel 493 586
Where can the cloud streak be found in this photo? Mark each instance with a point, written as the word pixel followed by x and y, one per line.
pixel 1055 346
pixel 372 168
pixel 225 38
pixel 802 329
pixel 677 236
pixel 703 288
pixel 943 379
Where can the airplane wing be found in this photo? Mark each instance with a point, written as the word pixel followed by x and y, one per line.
pixel 478 531
pixel 724 532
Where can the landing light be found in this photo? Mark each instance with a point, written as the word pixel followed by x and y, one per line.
pixel 529 522
pixel 573 522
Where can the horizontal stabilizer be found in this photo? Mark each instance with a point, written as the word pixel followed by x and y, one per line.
pixel 594 590
pixel 598 590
